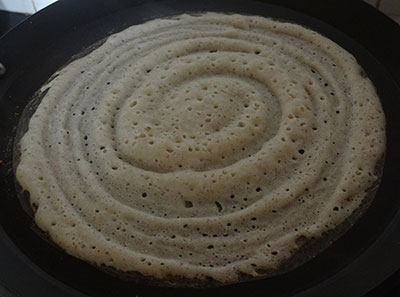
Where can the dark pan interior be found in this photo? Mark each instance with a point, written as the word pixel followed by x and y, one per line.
pixel 351 266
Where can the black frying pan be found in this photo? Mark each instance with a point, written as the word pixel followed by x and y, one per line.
pixel 360 260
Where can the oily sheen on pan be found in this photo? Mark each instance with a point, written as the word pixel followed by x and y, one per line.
pixel 202 147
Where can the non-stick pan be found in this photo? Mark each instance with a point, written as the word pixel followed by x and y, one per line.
pixel 360 260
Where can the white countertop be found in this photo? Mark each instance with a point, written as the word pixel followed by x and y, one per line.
pixel 24 6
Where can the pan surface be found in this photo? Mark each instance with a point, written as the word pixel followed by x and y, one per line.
pixel 360 260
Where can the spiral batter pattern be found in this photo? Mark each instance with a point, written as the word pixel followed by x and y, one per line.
pixel 202 147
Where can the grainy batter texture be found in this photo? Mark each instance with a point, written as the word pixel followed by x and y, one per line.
pixel 202 147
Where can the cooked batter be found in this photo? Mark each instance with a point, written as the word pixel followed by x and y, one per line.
pixel 202 147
